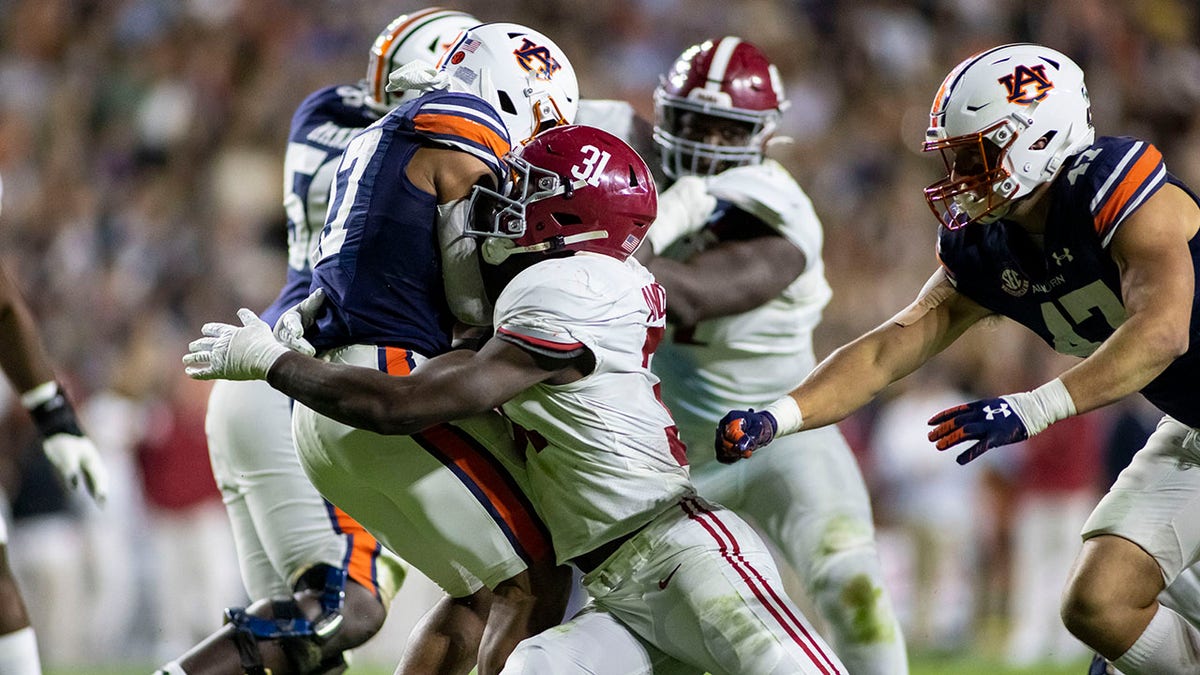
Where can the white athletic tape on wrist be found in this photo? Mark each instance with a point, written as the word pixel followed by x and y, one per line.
pixel 39 394
pixel 787 415
pixel 1043 406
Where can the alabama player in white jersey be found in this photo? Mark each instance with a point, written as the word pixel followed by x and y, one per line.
pixel 746 288
pixel 289 539
pixel 678 584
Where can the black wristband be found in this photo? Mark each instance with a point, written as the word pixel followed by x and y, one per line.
pixel 55 416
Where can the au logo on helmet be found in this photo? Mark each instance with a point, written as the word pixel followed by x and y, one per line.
pixel 536 58
pixel 1021 78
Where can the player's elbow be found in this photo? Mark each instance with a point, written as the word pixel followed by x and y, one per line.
pixel 1166 344
pixel 682 311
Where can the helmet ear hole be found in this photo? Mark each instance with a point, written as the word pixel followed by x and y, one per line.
pixel 567 219
pixel 506 103
pixel 1044 141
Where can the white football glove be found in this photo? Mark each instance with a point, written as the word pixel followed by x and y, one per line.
pixel 232 353
pixel 76 459
pixel 683 209
pixel 289 329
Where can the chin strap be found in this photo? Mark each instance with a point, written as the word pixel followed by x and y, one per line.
pixel 498 249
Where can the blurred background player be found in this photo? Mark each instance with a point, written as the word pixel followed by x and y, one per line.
pixel 446 500
pixel 289 539
pixel 1092 245
pixel 26 364
pixel 746 287
pixel 673 578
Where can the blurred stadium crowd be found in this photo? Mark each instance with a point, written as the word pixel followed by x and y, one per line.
pixel 141 147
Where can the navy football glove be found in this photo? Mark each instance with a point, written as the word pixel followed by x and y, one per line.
pixel 992 422
pixel 741 432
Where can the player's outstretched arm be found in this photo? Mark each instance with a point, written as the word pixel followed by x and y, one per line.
pixel 25 362
pixel 854 374
pixel 1157 287
pixel 454 385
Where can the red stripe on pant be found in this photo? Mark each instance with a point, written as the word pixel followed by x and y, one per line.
pixel 762 590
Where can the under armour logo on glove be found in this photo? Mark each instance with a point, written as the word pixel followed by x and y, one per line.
pixel 991 422
pixel 741 432
pixel 1002 410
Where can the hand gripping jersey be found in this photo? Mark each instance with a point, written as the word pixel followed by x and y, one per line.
pixel 321 129
pixel 1069 291
pixel 604 456
pixel 741 360
pixel 378 259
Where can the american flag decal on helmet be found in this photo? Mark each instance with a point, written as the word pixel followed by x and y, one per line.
pixel 470 45
pixel 630 244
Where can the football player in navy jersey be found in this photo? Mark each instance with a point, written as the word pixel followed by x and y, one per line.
pixel 1090 243
pixel 290 541
pixel 388 293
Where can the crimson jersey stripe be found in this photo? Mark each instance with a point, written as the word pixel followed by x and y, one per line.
pixel 544 344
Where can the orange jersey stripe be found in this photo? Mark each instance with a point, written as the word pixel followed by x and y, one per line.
pixel 365 549
pixel 1128 187
pixel 496 488
pixel 470 130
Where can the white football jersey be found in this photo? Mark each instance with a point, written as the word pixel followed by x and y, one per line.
pixel 613 116
pixel 604 456
pixel 742 360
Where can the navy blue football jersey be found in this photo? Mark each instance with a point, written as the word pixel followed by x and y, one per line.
pixel 321 129
pixel 379 259
pixel 1068 290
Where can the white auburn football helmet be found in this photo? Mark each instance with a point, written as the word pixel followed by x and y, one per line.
pixel 521 72
pixel 1015 113
pixel 420 36
pixel 729 79
pixel 577 188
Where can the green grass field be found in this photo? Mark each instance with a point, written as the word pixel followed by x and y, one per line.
pixel 921 665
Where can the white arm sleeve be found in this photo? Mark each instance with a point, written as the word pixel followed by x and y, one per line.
pixel 460 266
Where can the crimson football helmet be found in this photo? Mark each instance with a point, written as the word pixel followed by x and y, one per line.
pixel 729 80
pixel 419 36
pixel 1005 121
pixel 575 188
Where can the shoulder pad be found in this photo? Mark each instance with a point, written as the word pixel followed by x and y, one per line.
pixel 764 190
